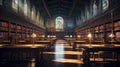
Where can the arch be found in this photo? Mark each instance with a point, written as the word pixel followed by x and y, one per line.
pixel 59 23
pixel 15 4
pixel 105 4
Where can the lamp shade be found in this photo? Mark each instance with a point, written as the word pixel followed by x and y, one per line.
pixel 111 35
pixel 89 35
pixel 33 35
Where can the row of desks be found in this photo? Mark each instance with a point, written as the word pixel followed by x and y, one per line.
pixel 23 51
pixel 23 41
pixel 44 42
pixel 93 48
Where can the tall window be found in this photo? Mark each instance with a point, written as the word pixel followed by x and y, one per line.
pixel 33 13
pixel 105 4
pixel 15 4
pixel 1 2
pixel 37 16
pixel 95 7
pixel 25 7
pixel 21 5
pixel 59 23
pixel 87 12
pixel 82 16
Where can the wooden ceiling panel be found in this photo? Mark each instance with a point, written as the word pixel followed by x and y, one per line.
pixel 57 7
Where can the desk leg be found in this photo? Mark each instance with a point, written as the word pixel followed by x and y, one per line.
pixel 86 56
pixel 117 56
pixel 74 46
pixel 39 58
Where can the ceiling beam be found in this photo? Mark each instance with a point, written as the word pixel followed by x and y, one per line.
pixel 64 1
pixel 60 9
pixel 65 6
pixel 46 8
pixel 73 6
pixel 52 2
pixel 54 6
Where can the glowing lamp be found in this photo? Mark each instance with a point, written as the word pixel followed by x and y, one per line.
pixel 111 35
pixel 34 35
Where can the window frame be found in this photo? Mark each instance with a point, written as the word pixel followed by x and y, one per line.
pixel 60 20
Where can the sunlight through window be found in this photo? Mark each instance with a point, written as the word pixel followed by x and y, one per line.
pixel 59 48
pixel 105 4
pixel 59 23
pixel 15 4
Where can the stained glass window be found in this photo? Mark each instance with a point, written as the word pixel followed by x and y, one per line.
pixel 95 8
pixel 15 4
pixel 59 23
pixel 87 12
pixel 25 7
pixel 33 13
pixel 105 4
pixel 37 16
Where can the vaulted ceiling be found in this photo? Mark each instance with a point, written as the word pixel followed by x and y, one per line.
pixel 51 8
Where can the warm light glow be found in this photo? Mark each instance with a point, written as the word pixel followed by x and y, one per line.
pixel 30 45
pixel 54 36
pixel 65 53
pixel 111 35
pixel 33 35
pixel 66 36
pixel 48 36
pixel 89 35
pixel 78 36
pixel 71 36
pixel 1 45
pixel 65 60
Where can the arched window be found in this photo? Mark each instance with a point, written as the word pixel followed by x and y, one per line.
pixel 105 4
pixel 1 2
pixel 33 13
pixel 25 7
pixel 15 4
pixel 95 7
pixel 88 12
pixel 38 16
pixel 21 5
pixel 59 23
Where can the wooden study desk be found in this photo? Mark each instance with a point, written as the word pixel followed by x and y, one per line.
pixel 43 42
pixel 21 52
pixel 6 42
pixel 74 43
pixel 93 49
pixel 21 42
pixel 48 43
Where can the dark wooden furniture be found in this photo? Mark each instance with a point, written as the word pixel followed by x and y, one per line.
pixel 74 43
pixel 21 52
pixel 43 42
pixel 87 50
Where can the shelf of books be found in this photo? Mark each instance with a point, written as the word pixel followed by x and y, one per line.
pixel 24 32
pixel 18 32
pixel 13 27
pixel 117 31
pixel 4 30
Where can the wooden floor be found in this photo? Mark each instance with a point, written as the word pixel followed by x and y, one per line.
pixel 60 55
